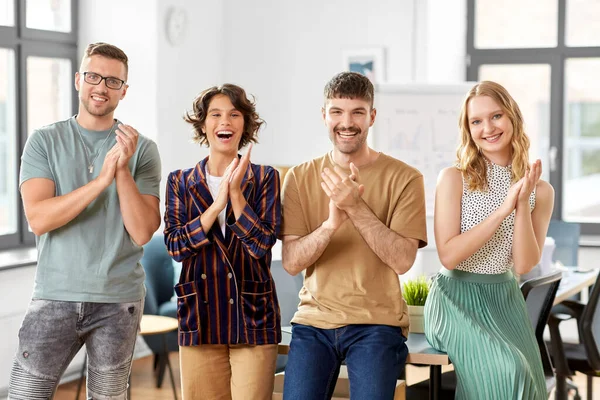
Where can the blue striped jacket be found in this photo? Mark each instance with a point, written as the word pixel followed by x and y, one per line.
pixel 225 294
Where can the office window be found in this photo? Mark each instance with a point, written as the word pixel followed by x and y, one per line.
pixel 580 34
pixel 38 51
pixel 48 15
pixel 581 151
pixel 8 139
pixel 547 54
pixel 515 23
pixel 49 91
pixel 7 13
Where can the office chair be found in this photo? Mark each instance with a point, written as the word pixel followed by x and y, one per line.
pixel 583 356
pixel 566 239
pixel 539 294
pixel 287 288
pixel 159 282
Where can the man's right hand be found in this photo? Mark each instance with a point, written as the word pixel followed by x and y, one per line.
pixel 336 217
pixel 109 168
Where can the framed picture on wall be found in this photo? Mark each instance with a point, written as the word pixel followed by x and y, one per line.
pixel 369 62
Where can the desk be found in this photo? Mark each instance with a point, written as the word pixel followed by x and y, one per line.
pixel 574 283
pixel 419 352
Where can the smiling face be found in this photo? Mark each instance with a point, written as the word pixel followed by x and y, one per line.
pixel 99 100
pixel 348 122
pixel 490 126
pixel 224 125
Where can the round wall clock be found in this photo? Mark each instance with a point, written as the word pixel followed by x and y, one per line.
pixel 175 25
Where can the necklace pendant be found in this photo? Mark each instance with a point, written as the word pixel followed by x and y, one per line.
pixel 91 168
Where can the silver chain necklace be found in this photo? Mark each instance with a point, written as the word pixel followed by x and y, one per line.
pixel 87 157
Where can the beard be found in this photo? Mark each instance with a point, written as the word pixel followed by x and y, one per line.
pixel 348 147
pixel 101 111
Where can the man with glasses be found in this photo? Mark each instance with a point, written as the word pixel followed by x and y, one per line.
pixel 90 188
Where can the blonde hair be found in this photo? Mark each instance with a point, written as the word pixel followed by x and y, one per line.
pixel 471 162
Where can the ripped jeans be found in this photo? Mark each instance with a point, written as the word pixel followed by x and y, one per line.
pixel 53 332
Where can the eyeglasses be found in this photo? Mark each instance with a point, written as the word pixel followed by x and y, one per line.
pixel 94 79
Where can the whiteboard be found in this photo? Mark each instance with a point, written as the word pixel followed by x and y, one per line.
pixel 418 124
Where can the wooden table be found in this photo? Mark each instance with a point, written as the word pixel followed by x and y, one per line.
pixel 574 282
pixel 157 325
pixel 420 352
pixel 149 325
pixel 160 325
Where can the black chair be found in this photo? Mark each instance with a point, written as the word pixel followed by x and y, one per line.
pixel 539 294
pixel 583 356
pixel 287 288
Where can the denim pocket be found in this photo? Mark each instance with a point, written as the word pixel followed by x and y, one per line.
pixel 187 307
pixel 258 305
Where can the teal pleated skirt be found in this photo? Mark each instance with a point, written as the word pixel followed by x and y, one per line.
pixel 481 322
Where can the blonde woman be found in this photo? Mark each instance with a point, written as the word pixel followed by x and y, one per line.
pixel 491 216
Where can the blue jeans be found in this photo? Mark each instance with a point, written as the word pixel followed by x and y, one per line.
pixel 375 357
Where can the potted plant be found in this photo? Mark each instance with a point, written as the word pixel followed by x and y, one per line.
pixel 415 293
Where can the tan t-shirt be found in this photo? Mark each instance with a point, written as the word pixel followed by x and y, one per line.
pixel 349 284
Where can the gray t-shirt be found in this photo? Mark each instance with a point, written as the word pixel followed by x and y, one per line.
pixel 92 258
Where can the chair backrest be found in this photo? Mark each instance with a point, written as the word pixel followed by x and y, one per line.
pixel 589 326
pixel 539 294
pixel 158 266
pixel 566 239
pixel 287 287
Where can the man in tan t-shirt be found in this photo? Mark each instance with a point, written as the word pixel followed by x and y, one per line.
pixel 353 219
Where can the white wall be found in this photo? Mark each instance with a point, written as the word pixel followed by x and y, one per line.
pixel 286 52
pixel 446 47
pixel 111 21
pixel 184 70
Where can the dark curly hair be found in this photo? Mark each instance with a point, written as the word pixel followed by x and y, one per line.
pixel 350 85
pixel 237 95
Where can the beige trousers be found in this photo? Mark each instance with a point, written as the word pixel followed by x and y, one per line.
pixel 227 372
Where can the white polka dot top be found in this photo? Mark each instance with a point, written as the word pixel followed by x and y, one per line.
pixel 495 257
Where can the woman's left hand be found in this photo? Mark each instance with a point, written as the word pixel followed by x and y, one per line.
pixel 532 177
pixel 235 182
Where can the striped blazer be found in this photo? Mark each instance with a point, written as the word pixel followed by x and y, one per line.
pixel 225 293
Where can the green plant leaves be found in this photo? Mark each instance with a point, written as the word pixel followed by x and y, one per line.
pixel 415 291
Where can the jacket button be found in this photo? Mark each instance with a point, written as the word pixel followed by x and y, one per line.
pixel 230 275
pixel 203 276
pixel 230 301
